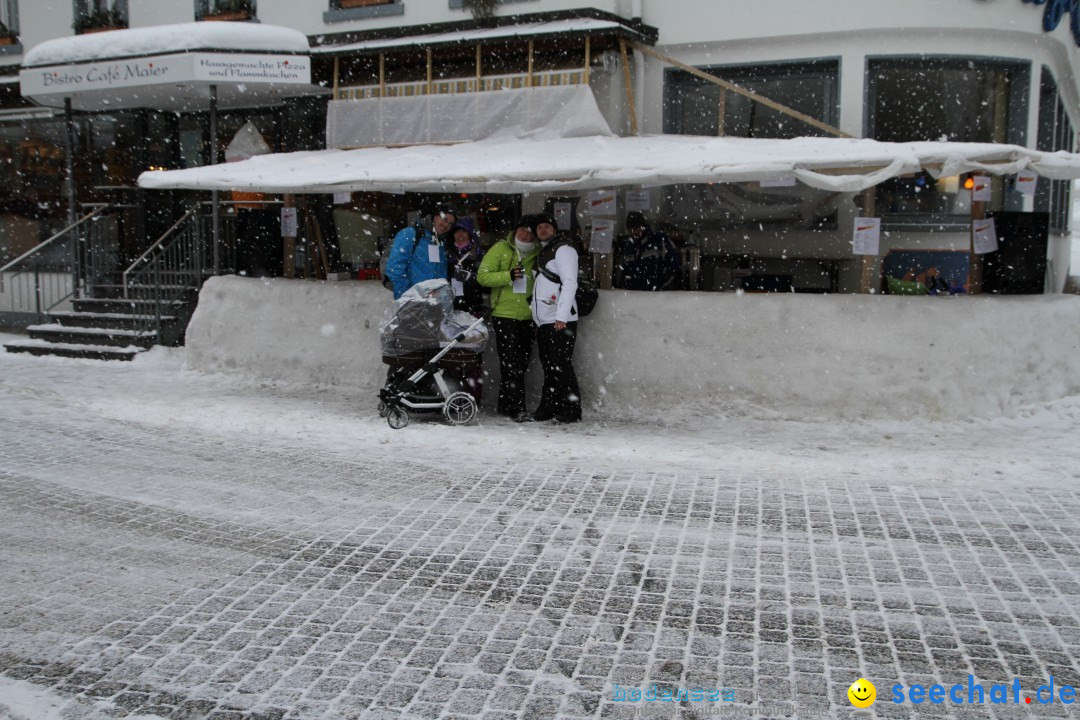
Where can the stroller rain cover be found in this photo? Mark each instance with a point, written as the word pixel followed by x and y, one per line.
pixel 424 319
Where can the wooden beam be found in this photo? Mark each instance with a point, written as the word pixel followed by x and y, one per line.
pixel 529 77
pixel 382 75
pixel 430 70
pixel 721 112
pixel 337 74
pixel 813 122
pixel 629 87
pixel 588 58
pixel 479 69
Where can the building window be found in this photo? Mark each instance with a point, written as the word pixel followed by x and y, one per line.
pixel 343 10
pixel 692 106
pixel 947 99
pixel 225 9
pixel 1055 133
pixel 97 15
pixel 9 26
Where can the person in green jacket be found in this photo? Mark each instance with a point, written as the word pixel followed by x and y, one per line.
pixel 507 270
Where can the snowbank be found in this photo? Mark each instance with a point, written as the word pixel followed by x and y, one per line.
pixel 688 354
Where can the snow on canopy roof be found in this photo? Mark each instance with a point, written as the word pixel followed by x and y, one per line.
pixel 229 36
pixel 512 166
pixel 549 27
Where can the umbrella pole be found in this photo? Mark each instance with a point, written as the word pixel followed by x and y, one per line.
pixel 214 195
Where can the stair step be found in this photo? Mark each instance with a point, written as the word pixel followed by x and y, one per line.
pixel 112 337
pixel 105 291
pixel 129 307
pixel 92 352
pixel 106 320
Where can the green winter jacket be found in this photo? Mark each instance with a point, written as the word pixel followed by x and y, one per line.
pixel 494 273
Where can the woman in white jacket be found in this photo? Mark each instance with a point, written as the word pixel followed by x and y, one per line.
pixel 555 314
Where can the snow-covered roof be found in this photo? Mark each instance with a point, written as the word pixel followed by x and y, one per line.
pixel 136 42
pixel 503 165
pixel 524 30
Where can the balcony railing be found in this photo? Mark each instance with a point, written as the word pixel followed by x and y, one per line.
pixel 455 86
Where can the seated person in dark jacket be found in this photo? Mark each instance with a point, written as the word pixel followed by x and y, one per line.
pixel 646 259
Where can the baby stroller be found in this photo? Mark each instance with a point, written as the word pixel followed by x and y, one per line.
pixel 424 337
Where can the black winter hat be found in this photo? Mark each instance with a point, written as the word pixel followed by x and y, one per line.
pixel 541 218
pixel 446 209
pixel 636 220
pixel 525 221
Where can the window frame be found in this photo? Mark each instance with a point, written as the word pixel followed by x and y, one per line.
pixel 674 78
pixel 15 48
pixel 83 9
pixel 1055 131
pixel 336 13
pixel 1016 126
pixel 202 9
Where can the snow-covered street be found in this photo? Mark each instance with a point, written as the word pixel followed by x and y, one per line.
pixel 182 544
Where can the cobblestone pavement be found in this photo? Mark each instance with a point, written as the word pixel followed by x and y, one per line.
pixel 181 575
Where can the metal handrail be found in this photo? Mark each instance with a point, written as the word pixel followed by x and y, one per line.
pixel 41 246
pixel 157 246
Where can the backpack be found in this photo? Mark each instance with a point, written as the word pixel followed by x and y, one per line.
pixel 586 296
pixel 417 237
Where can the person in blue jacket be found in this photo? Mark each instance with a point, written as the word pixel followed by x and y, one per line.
pixel 417 255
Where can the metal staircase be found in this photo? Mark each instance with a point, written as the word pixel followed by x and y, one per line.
pixel 85 304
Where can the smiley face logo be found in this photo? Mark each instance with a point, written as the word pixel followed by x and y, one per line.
pixel 862 693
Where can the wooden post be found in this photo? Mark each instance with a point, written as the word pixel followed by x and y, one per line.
pixel 629 87
pixel 529 77
pixel 382 75
pixel 430 70
pixel 869 275
pixel 337 74
pixel 721 112
pixel 288 243
pixel 588 58
pixel 479 69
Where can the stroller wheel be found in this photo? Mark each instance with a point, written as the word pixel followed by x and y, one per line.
pixel 383 411
pixel 460 408
pixel 397 418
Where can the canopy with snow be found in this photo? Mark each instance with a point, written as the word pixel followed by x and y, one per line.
pixel 513 165
pixel 170 67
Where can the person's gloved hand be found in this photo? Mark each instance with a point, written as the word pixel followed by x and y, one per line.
pixel 517 272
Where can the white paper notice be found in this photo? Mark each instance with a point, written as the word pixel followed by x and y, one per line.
pixel 603 234
pixel 985 236
pixel 602 203
pixel 562 215
pixel 288 222
pixel 520 286
pixel 1026 183
pixel 788 181
pixel 433 252
pixel 342 198
pixel 458 286
pixel 867 237
pixel 982 191
pixel 639 201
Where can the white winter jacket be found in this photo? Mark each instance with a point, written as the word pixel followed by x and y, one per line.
pixel 550 304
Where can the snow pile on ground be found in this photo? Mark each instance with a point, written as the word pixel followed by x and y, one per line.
pixel 687 355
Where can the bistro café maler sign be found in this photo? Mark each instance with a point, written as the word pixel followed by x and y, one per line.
pixel 177 68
